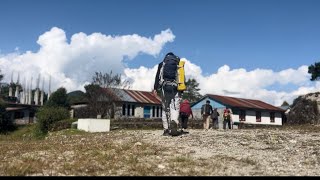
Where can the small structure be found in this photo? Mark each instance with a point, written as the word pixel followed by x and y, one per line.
pixel 246 111
pixel 128 104
pixel 21 113
pixel 137 104
pixel 94 125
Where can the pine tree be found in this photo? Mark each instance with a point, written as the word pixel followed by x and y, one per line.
pixel 192 91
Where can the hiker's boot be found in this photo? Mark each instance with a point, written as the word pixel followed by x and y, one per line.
pixel 166 132
pixel 174 128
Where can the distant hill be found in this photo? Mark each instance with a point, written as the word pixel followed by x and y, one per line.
pixel 75 93
pixel 75 97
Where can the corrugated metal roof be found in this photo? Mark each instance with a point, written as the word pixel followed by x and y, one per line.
pixel 136 96
pixel 243 103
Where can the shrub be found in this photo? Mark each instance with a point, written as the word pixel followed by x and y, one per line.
pixel 58 98
pixel 63 124
pixel 46 116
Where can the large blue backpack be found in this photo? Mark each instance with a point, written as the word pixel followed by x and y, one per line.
pixel 170 67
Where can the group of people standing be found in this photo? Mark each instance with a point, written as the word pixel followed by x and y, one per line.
pixel 208 113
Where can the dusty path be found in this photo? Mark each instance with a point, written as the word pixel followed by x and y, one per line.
pixel 246 152
pixel 257 152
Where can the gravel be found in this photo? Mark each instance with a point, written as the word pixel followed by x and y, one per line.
pixel 237 152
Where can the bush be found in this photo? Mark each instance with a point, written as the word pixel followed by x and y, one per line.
pixel 46 116
pixel 63 124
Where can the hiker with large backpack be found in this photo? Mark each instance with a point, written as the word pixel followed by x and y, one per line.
pixel 167 81
pixel 215 118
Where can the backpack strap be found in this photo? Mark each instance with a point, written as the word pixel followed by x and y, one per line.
pixel 161 75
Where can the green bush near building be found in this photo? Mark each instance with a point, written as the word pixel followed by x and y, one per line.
pixel 47 116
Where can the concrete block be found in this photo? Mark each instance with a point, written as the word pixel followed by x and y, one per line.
pixel 94 125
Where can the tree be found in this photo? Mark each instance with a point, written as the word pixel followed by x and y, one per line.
pixel 192 91
pixel 58 98
pixel 285 103
pixel 100 98
pixel 314 70
pixel 108 80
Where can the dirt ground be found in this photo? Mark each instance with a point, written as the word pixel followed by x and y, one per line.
pixel 237 152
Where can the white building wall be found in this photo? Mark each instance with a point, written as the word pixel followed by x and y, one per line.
pixel 197 113
pixel 138 112
pixel 265 118
pixel 250 117
pixel 278 119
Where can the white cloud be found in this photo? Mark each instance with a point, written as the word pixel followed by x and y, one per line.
pixel 72 64
pixel 236 82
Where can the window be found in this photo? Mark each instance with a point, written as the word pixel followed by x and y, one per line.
pixel 272 116
pixel 242 115
pixel 158 111
pixel 133 108
pixel 146 112
pixel 153 111
pixel 124 109
pixel 128 110
pixel 258 116
pixel 161 111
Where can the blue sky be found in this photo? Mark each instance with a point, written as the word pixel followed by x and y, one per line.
pixel 251 34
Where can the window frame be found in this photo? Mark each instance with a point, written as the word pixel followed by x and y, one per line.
pixel 258 114
pixel 133 109
pixel 158 109
pixel 272 117
pixel 153 111
pixel 128 109
pixel 124 109
pixel 242 115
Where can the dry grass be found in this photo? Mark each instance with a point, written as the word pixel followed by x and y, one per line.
pixel 146 153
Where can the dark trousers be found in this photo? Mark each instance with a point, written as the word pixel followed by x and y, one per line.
pixel 215 123
pixel 225 122
pixel 184 121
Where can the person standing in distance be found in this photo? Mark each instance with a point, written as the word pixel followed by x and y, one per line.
pixel 206 111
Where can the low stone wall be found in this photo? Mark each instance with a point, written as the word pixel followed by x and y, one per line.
pixel 140 123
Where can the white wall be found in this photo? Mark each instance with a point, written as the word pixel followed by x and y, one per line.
pixel 197 113
pixel 138 112
pixel 265 118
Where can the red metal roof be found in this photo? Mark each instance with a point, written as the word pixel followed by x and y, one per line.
pixel 134 96
pixel 243 103
pixel 143 97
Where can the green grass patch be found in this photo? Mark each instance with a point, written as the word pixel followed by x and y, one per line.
pixel 23 132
